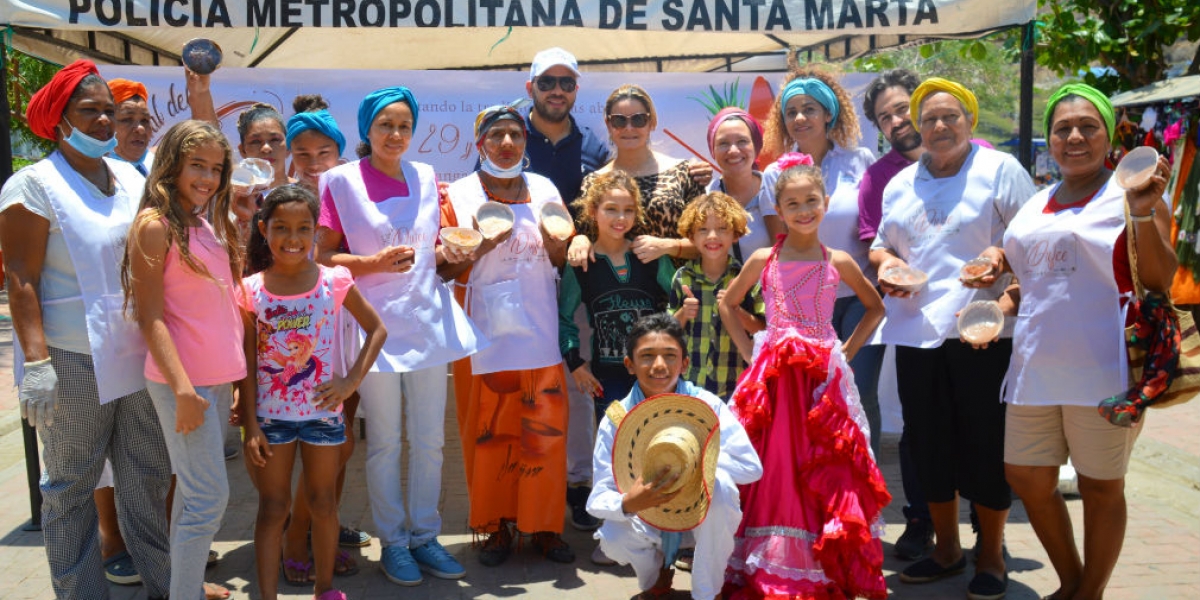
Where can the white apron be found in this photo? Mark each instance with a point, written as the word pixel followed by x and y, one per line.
pixel 425 326
pixel 1068 345
pixel 95 232
pixel 937 228
pixel 511 290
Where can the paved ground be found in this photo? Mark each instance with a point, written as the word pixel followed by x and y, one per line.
pixel 1161 558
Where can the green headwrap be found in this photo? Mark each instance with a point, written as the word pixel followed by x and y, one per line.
pixel 1089 93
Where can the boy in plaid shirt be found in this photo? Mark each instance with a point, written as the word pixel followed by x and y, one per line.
pixel 713 222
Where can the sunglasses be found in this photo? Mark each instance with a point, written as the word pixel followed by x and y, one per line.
pixel 546 83
pixel 638 120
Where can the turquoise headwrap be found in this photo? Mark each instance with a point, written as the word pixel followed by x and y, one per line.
pixel 816 88
pixel 377 100
pixel 1089 93
pixel 320 121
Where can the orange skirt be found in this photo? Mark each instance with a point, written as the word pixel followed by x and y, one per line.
pixel 513 427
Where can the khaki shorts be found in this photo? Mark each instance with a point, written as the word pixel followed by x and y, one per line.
pixel 1044 436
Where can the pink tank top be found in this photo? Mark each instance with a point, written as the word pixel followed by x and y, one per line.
pixel 201 314
pixel 800 295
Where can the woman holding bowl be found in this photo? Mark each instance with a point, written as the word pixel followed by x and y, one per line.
pixel 1067 356
pixel 512 395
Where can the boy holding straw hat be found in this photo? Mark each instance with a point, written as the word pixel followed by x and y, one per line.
pixel 668 459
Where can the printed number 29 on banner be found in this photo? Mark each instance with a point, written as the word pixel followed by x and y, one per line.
pixel 444 139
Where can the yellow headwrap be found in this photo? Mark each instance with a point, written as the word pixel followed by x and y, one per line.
pixel 937 84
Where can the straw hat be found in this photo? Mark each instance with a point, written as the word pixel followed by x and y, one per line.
pixel 675 431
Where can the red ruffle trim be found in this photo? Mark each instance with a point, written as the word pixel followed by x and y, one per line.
pixel 839 470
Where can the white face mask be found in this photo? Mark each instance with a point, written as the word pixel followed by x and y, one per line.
pixel 489 167
pixel 88 145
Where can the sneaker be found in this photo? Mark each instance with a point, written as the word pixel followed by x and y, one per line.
pixel 497 547
pixel 432 558
pixel 916 540
pixel 601 559
pixel 119 569
pixel 399 566
pixel 581 519
pixel 552 546
pixel 684 561
pixel 349 537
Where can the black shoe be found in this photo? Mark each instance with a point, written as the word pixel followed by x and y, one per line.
pixel 552 546
pixel 928 570
pixel 497 547
pixel 985 586
pixel 581 519
pixel 916 541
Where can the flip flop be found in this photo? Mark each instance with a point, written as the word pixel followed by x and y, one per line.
pixel 302 567
pixel 333 594
pixel 344 565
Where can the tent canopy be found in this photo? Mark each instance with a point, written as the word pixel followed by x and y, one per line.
pixel 1160 91
pixel 633 35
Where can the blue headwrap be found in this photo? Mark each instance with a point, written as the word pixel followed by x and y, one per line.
pixel 320 121
pixel 816 88
pixel 377 100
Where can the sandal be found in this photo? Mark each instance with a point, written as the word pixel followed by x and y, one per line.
pixel 213 591
pixel 344 565
pixel 331 594
pixel 302 570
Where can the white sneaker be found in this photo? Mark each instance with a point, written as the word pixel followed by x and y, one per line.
pixel 600 558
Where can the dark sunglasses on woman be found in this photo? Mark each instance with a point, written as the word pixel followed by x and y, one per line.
pixel 638 120
pixel 546 83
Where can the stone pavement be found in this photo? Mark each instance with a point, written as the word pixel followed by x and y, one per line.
pixel 1161 558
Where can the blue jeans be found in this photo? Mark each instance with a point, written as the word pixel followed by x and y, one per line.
pixel 847 312
pixel 201 484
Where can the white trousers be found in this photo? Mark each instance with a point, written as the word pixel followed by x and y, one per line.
pixel 633 542
pixel 412 405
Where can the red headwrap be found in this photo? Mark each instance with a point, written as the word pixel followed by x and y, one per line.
pixel 124 89
pixel 46 106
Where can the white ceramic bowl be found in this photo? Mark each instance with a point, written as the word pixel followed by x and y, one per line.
pixel 464 239
pixel 1136 168
pixel 557 221
pixel 494 219
pixel 980 321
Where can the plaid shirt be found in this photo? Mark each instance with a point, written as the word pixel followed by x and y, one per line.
pixel 713 360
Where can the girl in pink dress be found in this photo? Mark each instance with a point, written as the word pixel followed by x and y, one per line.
pixel 811 525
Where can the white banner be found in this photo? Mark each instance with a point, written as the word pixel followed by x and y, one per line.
pixel 450 100
pixel 742 16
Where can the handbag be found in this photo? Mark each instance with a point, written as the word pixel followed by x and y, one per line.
pixel 1184 383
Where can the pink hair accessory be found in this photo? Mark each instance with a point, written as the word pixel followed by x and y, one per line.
pixel 793 159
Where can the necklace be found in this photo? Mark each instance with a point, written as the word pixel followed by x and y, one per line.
pixel 522 198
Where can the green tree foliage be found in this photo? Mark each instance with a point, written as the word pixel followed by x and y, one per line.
pixel 981 65
pixel 25 75
pixel 1130 36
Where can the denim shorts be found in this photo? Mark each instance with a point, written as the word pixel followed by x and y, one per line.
pixel 329 431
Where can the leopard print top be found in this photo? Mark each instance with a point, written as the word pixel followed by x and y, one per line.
pixel 664 196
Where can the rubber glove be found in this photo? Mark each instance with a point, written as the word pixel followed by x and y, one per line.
pixel 39 393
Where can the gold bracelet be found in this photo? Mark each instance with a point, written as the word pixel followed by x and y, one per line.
pixel 1143 218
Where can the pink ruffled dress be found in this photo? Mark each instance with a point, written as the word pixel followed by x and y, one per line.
pixel 811 525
